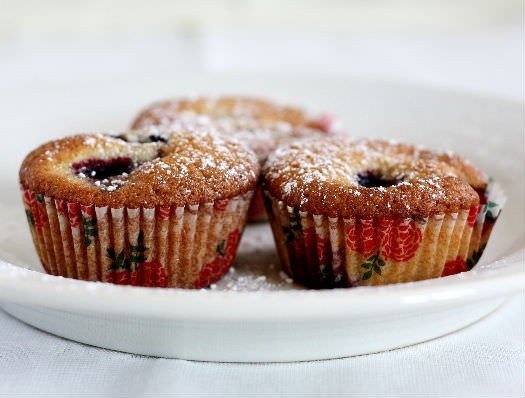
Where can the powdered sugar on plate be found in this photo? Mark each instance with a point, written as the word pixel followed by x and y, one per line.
pixel 257 266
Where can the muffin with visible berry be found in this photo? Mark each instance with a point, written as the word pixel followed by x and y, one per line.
pixel 348 213
pixel 136 210
pixel 260 124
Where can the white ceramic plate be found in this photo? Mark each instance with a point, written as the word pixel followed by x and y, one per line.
pixel 255 314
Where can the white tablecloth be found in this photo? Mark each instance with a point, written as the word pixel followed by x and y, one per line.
pixel 485 359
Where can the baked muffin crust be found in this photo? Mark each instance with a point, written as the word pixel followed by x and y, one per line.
pixel 259 123
pixel 186 168
pixel 165 112
pixel 370 178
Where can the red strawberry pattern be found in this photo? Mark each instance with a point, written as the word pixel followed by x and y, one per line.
pixel 74 214
pixel 398 240
pixel 362 237
pixel 88 210
pixel 61 206
pixel 133 269
pixel 232 242
pixel 455 267
pixel 402 242
pixel 472 215
pixel 221 205
pixel 35 209
pixel 215 270
pixel 382 240
pixel 28 197
pixel 163 212
pixel 40 217
pixel 209 273
pixel 147 274
pixel 119 277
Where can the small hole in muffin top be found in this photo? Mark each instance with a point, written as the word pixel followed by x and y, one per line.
pixel 157 138
pixel 100 169
pixel 139 138
pixel 120 137
pixel 374 179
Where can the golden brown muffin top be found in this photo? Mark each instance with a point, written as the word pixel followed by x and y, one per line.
pixel 260 124
pixel 370 178
pixel 165 112
pixel 186 168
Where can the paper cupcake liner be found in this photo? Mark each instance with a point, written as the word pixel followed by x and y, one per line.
pixel 257 211
pixel 492 201
pixel 189 247
pixel 326 252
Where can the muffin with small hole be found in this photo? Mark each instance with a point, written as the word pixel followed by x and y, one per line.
pixel 371 212
pixel 133 210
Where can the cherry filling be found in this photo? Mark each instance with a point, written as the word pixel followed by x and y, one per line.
pixel 141 139
pixel 107 174
pixel 157 138
pixel 100 169
pixel 373 179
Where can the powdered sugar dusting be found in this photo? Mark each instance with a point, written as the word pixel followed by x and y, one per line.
pixel 259 124
pixel 257 266
pixel 203 151
pixel 143 168
pixel 311 172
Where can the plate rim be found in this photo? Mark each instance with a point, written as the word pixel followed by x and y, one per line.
pixel 24 286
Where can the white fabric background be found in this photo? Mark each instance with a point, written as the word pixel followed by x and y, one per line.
pixel 485 359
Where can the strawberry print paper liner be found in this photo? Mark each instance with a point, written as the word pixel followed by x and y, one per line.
pixel 325 252
pixel 187 247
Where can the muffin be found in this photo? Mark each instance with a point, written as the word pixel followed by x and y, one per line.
pixel 150 212
pixel 260 124
pixel 349 213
